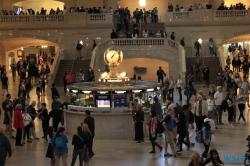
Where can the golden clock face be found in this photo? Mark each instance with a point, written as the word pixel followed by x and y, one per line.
pixel 112 56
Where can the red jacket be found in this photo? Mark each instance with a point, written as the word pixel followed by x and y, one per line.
pixel 18 119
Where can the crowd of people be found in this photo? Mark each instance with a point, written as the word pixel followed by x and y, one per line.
pixel 60 11
pixel 21 113
pixel 237 6
pixel 196 6
pixel 179 120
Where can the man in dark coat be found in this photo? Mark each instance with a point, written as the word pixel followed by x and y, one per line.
pixel 90 121
pixel 5 148
pixel 56 112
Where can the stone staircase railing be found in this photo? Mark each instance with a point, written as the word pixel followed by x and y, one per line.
pixel 58 57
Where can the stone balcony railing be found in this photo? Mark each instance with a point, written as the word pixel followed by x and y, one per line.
pixel 52 20
pixel 208 15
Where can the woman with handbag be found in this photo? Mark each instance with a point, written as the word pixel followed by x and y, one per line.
pixel 152 131
pixel 86 131
pixel 18 124
pixel 27 123
pixel 50 151
pixel 79 141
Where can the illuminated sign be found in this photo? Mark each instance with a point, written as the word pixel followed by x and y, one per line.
pixel 150 90
pixel 74 91
pixel 136 91
pixel 86 91
pixel 120 91
pixel 114 80
pixel 103 92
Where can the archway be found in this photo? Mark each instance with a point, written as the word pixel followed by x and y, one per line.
pixel 36 5
pixel 16 49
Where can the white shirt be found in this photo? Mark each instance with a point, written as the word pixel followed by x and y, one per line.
pixel 64 11
pixel 218 98
pixel 179 83
pixel 210 105
pixel 26 119
pixel 245 86
pixel 241 99
pixel 171 84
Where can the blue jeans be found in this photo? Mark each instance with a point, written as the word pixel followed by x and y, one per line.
pixel 77 152
pixel 211 50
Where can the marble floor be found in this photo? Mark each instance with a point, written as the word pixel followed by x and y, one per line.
pixel 230 143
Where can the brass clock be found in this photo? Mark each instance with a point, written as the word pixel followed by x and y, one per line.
pixel 113 57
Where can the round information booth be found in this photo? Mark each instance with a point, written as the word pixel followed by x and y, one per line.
pixel 109 105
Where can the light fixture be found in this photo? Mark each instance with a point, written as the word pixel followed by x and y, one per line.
pixel 200 40
pixel 81 42
pixel 123 74
pixel 22 48
pixel 142 2
pixel 104 74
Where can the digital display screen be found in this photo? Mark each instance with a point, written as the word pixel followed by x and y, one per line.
pixel 151 98
pixel 103 103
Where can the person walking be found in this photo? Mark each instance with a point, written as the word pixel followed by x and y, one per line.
pixel 241 100
pixel 65 82
pixel 54 91
pixel 5 148
pixel 200 112
pixel 211 110
pixel 79 141
pixel 18 124
pixel 13 70
pixel 90 121
pixel 56 112
pixel 44 116
pixel 206 73
pixel 5 83
pixel 160 73
pixel 197 46
pixel 28 87
pixel 139 118
pixel 32 112
pixel 206 136
pixel 211 46
pixel 230 109
pixel 152 131
pixel 50 151
pixel 218 97
pixel 197 66
pixel 168 125
pixel 179 84
pixel 88 134
pixel 171 87
pixel 8 113
pixel 59 143
pixel 43 83
pixel 181 129
pixel 38 88
pixel 26 121
pixel 156 106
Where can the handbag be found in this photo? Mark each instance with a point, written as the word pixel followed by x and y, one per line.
pixel 49 153
pixel 31 124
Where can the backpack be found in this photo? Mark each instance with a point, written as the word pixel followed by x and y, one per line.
pixel 224 104
pixel 177 109
pixel 198 137
pixel 59 142
pixel 159 128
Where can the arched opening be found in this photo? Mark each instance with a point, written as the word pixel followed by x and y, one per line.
pixel 26 49
pixel 144 67
pixel 36 5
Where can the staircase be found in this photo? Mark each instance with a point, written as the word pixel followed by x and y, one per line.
pixel 65 67
pixel 212 62
pixel 154 27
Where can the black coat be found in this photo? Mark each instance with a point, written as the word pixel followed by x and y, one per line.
pixel 181 124
pixel 90 121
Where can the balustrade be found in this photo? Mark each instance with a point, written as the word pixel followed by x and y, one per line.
pixel 182 15
pixel 231 13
